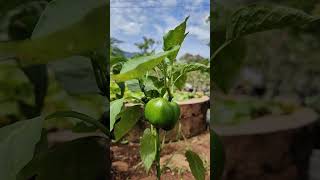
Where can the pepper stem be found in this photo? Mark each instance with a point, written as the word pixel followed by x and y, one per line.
pixel 158 155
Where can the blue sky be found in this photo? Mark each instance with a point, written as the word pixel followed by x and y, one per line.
pixel 132 19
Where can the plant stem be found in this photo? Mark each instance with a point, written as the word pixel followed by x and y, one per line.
pixel 170 96
pixel 225 44
pixel 141 85
pixel 167 87
pixel 158 155
pixel 167 83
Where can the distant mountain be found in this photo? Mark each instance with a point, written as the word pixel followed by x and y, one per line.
pixel 188 58
pixel 114 44
pixel 129 54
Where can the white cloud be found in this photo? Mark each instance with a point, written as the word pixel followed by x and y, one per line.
pixel 201 33
pixel 170 20
pixel 128 20
pixel 159 29
pixel 131 28
pixel 120 23
pixel 198 26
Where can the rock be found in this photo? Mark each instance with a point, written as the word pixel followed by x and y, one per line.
pixel 120 166
pixel 175 161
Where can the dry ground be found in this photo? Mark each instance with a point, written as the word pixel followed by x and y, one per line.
pixel 126 163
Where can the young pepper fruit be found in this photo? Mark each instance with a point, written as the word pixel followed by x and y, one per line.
pixel 162 114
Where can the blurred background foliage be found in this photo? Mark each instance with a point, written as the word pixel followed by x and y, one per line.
pixel 17 100
pixel 277 67
pixel 287 65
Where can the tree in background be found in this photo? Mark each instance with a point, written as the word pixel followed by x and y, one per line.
pixel 147 46
pixel 115 50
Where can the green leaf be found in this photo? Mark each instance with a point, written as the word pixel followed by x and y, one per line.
pixel 181 81
pixel 83 127
pixel 152 93
pixel 174 38
pixel 227 65
pixel 54 18
pixel 150 86
pixel 217 156
pixel 80 116
pixel 17 145
pixel 117 59
pixel 115 109
pixel 133 85
pixel 229 54
pixel 257 18
pixel 152 83
pixel 158 83
pixel 128 119
pixel 137 67
pixel 180 72
pixel 148 148
pixel 42 144
pixel 76 75
pixel 80 159
pixel 58 36
pixel 226 56
pixel 196 165
pixel 185 68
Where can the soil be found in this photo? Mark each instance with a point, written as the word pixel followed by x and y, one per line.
pixel 126 162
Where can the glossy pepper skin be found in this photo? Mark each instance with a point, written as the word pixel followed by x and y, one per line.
pixel 161 113
pixel 176 114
